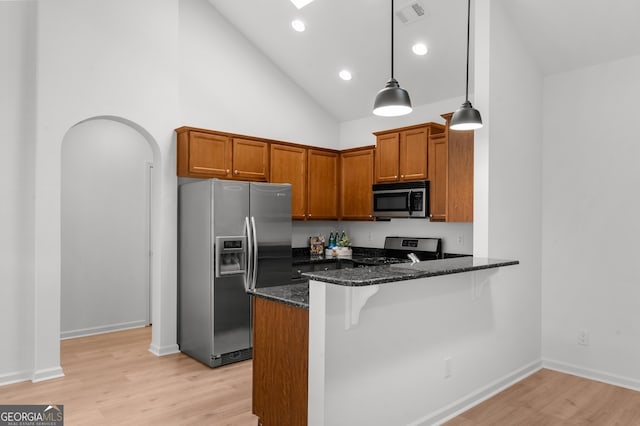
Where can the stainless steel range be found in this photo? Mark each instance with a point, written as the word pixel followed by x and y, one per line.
pixel 404 250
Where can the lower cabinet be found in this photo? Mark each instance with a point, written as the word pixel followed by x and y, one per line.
pixel 280 363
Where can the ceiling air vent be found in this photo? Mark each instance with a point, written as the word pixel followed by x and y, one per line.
pixel 411 12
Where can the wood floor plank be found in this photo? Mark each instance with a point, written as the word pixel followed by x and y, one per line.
pixel 556 399
pixel 112 379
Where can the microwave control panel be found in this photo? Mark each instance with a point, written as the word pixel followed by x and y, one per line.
pixel 416 201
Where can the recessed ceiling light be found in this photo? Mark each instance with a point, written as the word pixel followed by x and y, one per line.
pixel 301 3
pixel 298 25
pixel 345 75
pixel 420 49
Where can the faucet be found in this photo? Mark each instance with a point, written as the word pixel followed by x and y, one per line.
pixel 413 258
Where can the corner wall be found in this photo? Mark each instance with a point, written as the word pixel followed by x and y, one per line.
pixel 590 217
pixel 17 114
pixel 507 209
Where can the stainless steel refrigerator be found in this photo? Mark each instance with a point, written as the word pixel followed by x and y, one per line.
pixel 232 236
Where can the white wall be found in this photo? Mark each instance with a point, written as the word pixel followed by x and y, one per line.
pixel 590 220
pixel 96 58
pixel 227 84
pixel 17 112
pixel 105 228
pixel 508 208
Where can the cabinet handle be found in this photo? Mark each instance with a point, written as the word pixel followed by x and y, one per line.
pixel 228 171
pixel 401 176
pixel 395 177
pixel 235 172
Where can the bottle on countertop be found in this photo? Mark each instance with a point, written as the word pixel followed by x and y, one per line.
pixel 332 240
pixel 343 239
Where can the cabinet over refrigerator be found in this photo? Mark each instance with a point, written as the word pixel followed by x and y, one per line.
pixel 232 236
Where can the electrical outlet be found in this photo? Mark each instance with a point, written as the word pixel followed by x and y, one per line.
pixel 460 240
pixel 583 337
pixel 369 237
pixel 448 372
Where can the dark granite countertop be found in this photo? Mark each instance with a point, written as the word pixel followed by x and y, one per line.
pixel 314 260
pixel 292 294
pixel 400 272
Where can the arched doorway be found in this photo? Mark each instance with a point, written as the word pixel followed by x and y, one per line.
pixel 105 227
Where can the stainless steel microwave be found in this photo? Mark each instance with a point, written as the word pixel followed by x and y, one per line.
pixel 401 199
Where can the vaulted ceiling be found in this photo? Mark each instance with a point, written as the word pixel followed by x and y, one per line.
pixel 356 35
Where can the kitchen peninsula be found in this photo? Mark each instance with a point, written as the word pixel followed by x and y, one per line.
pixel 368 345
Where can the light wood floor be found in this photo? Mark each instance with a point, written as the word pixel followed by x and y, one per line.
pixel 112 379
pixel 552 398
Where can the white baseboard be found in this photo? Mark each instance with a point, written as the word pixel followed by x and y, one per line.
pixel 587 373
pixel 16 377
pixel 92 331
pixel 34 376
pixel 164 350
pixel 47 374
pixel 476 397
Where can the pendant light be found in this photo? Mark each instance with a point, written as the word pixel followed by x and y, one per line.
pixel 392 100
pixel 466 117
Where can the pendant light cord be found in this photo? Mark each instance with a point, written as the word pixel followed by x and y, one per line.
pixel 466 93
pixel 392 39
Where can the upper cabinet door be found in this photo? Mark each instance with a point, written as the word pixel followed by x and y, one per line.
pixel 323 184
pixel 250 160
pixel 438 160
pixel 289 165
pixel 209 155
pixel 387 158
pixel 356 197
pixel 413 154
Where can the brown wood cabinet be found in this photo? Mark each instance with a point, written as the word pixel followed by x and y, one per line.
pixel 250 159
pixel 451 175
pixel 206 154
pixel 203 154
pixel 322 187
pixel 356 178
pixel 387 158
pixel 413 154
pixel 289 165
pixel 280 363
pixel 401 154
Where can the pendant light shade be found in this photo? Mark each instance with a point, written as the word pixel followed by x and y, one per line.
pixel 466 117
pixel 392 100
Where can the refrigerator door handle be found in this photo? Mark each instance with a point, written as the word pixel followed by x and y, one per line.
pixel 248 271
pixel 254 269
